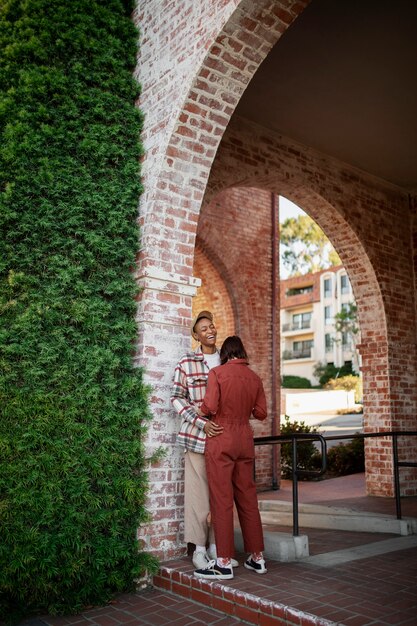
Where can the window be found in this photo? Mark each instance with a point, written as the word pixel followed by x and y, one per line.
pixel 302 349
pixel 301 320
pixel 297 291
pixel 327 314
pixel 328 342
pixel 344 284
pixel 346 342
pixel 345 307
pixel 327 287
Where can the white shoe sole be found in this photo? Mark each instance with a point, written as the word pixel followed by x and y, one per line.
pixel 214 577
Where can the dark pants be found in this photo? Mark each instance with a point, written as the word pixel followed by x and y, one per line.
pixel 229 465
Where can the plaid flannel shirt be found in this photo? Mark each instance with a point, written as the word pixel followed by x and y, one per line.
pixel 188 391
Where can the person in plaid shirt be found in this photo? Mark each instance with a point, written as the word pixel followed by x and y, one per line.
pixel 188 391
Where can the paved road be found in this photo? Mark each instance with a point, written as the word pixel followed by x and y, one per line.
pixel 330 425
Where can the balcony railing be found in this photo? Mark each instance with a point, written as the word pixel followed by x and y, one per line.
pixel 288 355
pixel 298 326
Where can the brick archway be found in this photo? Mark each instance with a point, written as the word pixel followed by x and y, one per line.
pixel 186 117
pixel 196 59
pixel 345 203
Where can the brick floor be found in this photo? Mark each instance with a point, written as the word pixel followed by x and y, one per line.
pixel 151 607
pixel 372 591
pixel 380 590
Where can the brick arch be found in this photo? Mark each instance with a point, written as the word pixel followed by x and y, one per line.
pixel 184 142
pixel 357 264
pixel 346 204
pixel 248 167
pixel 231 286
pixel 196 59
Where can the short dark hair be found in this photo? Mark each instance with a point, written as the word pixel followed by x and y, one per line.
pixel 232 348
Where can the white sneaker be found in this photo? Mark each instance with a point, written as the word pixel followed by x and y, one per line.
pixel 212 571
pixel 200 560
pixel 212 554
pixel 256 566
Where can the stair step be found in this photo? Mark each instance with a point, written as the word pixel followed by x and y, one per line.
pixel 340 557
pixel 248 607
pixel 319 516
pixel 283 547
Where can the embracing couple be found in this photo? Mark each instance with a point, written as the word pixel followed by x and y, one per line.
pixel 215 394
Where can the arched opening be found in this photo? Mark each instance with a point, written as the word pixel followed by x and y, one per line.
pixel 190 92
pixel 249 156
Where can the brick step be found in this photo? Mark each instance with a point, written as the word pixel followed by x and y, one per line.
pixel 237 603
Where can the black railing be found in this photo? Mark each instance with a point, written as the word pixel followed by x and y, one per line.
pixel 298 472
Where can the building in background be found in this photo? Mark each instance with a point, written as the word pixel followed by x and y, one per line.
pixel 309 304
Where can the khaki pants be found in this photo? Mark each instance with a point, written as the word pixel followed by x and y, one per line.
pixel 196 501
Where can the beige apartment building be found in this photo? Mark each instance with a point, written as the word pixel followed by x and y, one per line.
pixel 309 304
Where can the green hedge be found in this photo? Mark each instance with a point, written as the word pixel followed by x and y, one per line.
pixel 347 458
pixel 73 407
pixel 307 454
pixel 295 382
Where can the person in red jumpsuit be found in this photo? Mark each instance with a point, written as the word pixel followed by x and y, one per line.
pixel 234 394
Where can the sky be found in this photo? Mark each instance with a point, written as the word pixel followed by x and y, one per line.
pixel 287 209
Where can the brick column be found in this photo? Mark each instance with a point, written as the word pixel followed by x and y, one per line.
pixel 164 317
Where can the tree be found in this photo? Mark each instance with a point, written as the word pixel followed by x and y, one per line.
pixel 305 247
pixel 327 371
pixel 351 382
pixel 346 324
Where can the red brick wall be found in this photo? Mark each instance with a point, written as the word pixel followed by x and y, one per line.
pixel 235 228
pixel 213 295
pixel 196 59
pixel 369 223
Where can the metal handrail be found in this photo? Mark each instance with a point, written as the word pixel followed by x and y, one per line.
pixel 297 472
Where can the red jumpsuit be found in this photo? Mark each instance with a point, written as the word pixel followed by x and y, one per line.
pixel 234 392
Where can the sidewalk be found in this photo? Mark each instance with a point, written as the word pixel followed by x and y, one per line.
pixel 350 578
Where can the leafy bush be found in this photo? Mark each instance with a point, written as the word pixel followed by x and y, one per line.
pixel 295 382
pixel 347 383
pixel 325 371
pixel 307 456
pixel 342 459
pixel 73 407
pixel 348 458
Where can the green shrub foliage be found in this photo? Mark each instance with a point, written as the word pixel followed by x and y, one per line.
pixel 295 382
pixel 325 371
pixel 308 457
pixel 347 458
pixel 73 407
pixel 347 383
